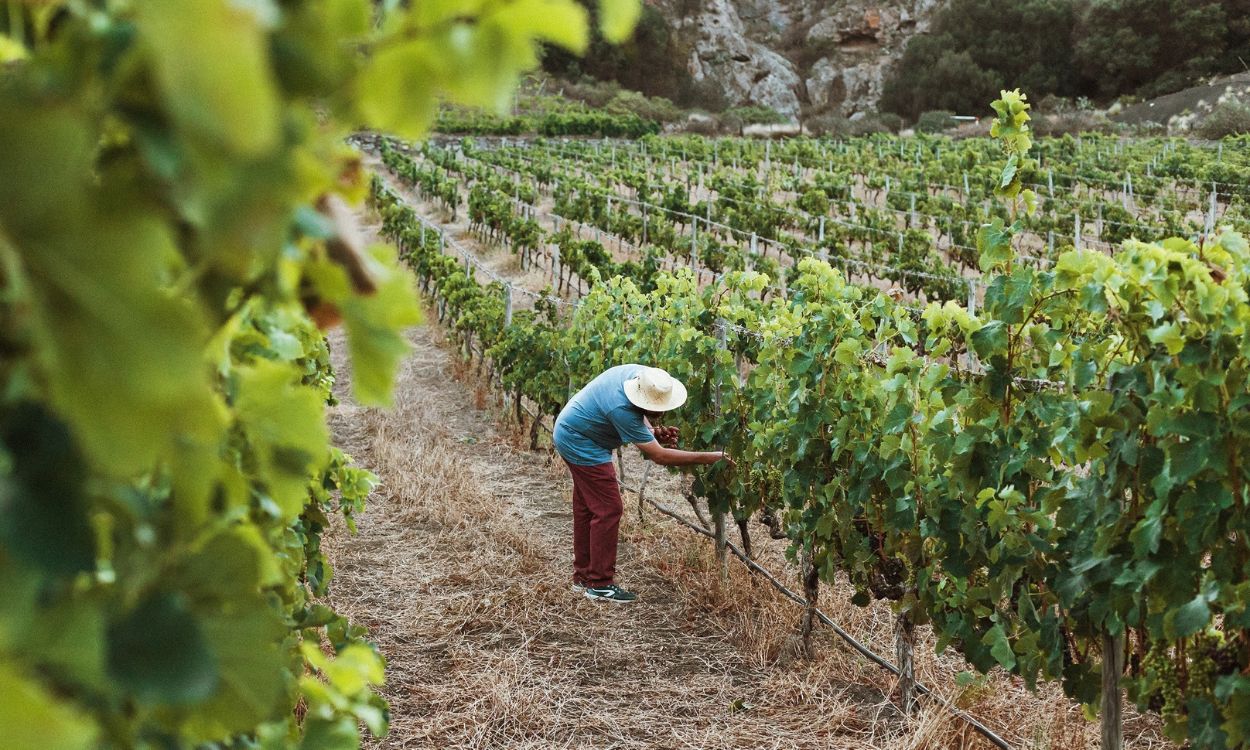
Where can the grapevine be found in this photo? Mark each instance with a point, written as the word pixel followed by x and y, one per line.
pixel 1006 473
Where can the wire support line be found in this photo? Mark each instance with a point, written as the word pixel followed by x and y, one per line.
pixel 472 259
pixel 1040 189
pixel 800 248
pixel 846 637
pixel 779 246
pixel 1148 230
pixel 1078 179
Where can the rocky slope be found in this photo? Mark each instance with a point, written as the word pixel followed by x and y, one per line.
pixel 792 55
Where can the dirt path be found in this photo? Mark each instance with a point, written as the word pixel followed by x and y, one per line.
pixel 461 570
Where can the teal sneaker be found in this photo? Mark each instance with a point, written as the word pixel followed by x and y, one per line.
pixel 610 593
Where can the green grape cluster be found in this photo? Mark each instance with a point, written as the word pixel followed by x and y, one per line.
pixel 1202 669
pixel 1163 679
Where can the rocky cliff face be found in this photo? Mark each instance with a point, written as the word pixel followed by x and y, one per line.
pixel 821 56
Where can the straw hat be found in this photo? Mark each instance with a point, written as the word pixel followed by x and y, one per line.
pixel 654 389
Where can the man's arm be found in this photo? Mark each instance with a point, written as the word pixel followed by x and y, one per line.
pixel 653 451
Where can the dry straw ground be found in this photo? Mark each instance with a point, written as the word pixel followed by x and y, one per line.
pixel 461 570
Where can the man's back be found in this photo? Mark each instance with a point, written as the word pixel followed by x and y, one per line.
pixel 600 419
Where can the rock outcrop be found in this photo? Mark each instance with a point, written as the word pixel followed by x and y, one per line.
pixel 796 55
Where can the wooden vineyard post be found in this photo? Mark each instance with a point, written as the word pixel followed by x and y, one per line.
pixel 722 543
pixel 694 247
pixel 905 657
pixel 1112 668
pixel 718 513
pixel 969 355
pixel 507 305
pixel 642 489
pixel 1211 212
pixel 811 597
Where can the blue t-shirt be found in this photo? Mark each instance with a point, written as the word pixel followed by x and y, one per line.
pixel 600 419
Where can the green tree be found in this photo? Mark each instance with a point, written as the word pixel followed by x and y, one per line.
pixel 650 61
pixel 1149 47
pixel 937 77
pixel 976 48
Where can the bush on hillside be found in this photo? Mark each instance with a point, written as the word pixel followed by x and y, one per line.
pixel 648 108
pixel 1229 118
pixel 935 121
pixel 595 124
pixel 1072 122
pixel 709 125
pixel 878 122
pixel 757 115
pixel 829 125
pixel 593 93
pixel 730 123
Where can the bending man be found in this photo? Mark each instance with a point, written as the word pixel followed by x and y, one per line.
pixel 613 409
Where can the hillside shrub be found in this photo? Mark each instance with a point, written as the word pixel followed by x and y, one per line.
pixel 1072 122
pixel 935 121
pixel 1229 118
pixel 757 115
pixel 829 125
pixel 647 107
pixel 877 122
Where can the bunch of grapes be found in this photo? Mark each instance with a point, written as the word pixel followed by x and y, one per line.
pixel 1211 656
pixel 667 436
pixel 1202 668
pixel 1167 694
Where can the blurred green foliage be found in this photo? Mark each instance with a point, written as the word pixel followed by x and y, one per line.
pixel 175 225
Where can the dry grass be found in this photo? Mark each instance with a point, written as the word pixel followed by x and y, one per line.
pixel 461 571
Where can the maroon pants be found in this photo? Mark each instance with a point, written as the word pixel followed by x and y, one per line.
pixel 596 520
